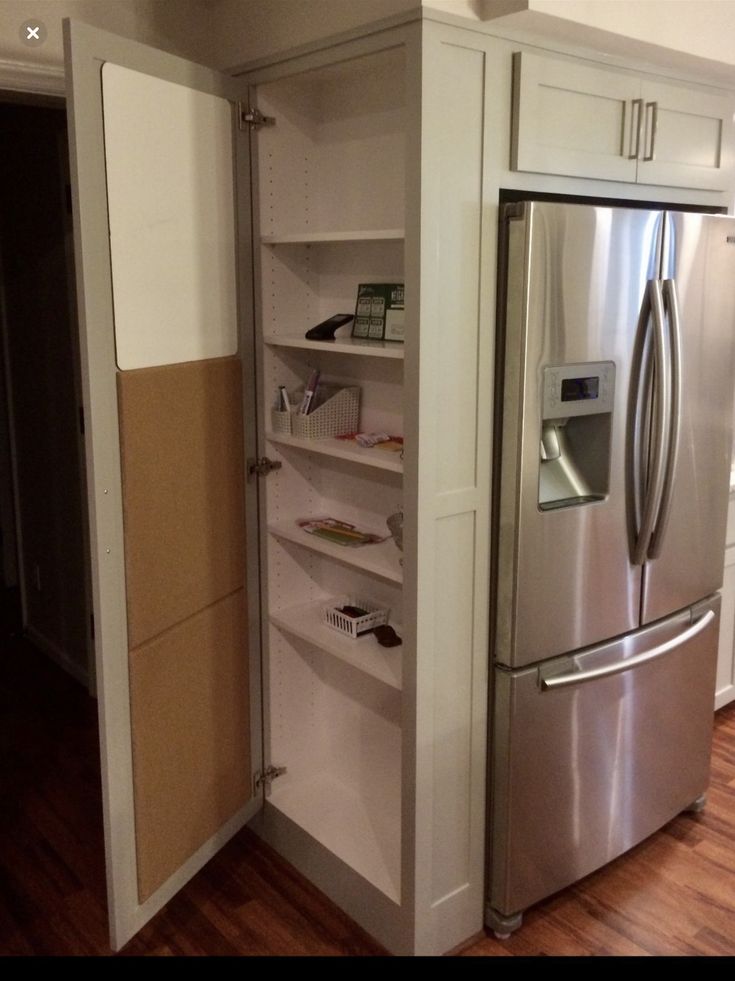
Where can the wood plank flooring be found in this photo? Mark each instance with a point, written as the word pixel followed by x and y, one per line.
pixel 673 895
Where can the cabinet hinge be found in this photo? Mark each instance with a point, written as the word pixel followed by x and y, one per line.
pixel 252 117
pixel 264 778
pixel 261 466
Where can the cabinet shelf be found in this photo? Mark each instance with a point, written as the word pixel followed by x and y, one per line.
pixel 340 345
pixel 367 839
pixel 342 450
pixel 363 653
pixel 350 235
pixel 381 559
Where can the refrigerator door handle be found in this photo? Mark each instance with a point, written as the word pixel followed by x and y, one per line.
pixel 671 306
pixel 662 386
pixel 579 677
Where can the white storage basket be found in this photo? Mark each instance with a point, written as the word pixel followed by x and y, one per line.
pixel 337 415
pixel 354 626
pixel 281 421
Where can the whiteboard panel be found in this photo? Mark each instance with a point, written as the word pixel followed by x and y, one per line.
pixel 168 152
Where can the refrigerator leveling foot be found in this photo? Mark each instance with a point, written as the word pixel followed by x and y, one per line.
pixel 697 805
pixel 502 926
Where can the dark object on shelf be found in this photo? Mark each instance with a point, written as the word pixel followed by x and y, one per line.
pixel 325 330
pixel 386 636
pixel 352 611
pixel 395 526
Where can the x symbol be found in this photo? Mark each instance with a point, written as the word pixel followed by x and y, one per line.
pixel 32 34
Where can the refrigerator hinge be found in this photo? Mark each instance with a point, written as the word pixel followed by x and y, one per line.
pixel 261 466
pixel 264 778
pixel 252 117
pixel 514 210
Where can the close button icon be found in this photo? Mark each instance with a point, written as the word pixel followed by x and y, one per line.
pixel 33 32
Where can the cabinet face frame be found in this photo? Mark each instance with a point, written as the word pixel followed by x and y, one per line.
pixel 86 49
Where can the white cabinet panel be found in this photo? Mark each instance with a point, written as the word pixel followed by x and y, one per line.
pixel 172 220
pixel 687 137
pixel 576 119
pixel 725 684
pixel 572 118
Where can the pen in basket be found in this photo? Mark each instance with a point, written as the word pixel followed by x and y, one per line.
pixel 307 403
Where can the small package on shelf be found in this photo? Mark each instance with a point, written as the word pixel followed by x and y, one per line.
pixel 354 616
pixel 379 312
pixel 337 412
pixel 339 532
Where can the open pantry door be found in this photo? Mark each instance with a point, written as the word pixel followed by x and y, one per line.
pixel 160 172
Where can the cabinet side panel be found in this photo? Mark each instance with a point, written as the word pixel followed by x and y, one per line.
pixel 454 391
pixel 452 473
pixel 725 684
pixel 455 543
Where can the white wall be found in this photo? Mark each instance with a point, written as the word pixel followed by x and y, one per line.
pixel 705 28
pixel 180 26
pixel 246 30
pixel 250 29
pixel 223 33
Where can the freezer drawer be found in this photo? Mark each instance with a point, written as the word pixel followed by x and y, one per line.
pixel 584 771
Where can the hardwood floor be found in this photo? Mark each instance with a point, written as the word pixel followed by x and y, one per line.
pixel 673 895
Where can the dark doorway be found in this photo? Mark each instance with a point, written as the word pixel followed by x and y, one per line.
pixel 42 488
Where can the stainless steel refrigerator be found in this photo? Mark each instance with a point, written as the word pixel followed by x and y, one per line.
pixel 612 502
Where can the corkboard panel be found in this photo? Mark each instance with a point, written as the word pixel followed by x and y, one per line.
pixel 181 450
pixel 190 723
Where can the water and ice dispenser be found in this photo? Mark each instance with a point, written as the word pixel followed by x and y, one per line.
pixel 576 426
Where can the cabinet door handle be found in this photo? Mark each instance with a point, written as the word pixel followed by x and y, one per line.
pixel 653 106
pixel 636 118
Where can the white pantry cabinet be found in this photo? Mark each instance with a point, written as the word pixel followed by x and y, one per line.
pixel 224 697
pixel 376 157
pixel 580 119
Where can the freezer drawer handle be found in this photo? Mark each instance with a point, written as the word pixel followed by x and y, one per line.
pixel 577 678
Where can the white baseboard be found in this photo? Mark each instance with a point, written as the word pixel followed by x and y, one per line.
pixel 56 654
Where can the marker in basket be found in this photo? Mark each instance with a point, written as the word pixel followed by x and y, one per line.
pixel 307 403
pixel 284 403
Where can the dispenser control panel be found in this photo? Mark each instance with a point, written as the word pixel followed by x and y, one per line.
pixel 578 389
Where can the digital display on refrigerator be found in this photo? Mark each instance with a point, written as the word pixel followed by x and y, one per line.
pixel 576 389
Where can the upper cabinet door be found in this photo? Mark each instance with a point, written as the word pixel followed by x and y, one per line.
pixel 687 138
pixel 160 175
pixel 573 119
pixel 577 120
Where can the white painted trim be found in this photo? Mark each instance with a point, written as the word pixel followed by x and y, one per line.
pixel 56 653
pixel 21 76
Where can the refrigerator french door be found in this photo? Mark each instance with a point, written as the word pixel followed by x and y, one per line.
pixel 614 472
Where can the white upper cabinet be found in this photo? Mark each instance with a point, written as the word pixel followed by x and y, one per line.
pixel 576 119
